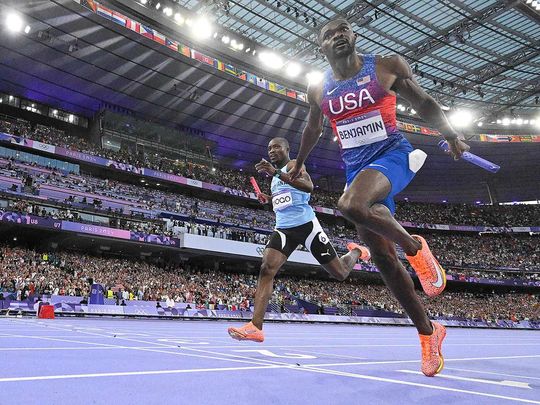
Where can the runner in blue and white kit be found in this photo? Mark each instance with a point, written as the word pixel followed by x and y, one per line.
pixel 296 224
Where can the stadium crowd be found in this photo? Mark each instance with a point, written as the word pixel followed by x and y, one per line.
pixel 216 219
pixel 28 272
pixel 457 214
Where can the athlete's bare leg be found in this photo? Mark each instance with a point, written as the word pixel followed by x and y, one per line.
pixel 341 267
pixel 396 278
pixel 359 204
pixel 272 261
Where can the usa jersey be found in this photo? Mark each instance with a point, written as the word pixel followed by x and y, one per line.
pixel 290 204
pixel 362 115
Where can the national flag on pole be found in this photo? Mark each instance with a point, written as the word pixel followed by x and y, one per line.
pixel 171 44
pixel 241 75
pixel 202 57
pixel 262 83
pixel 230 69
pixel 133 25
pixel 251 78
pixel 280 89
pixel 104 12
pixel 184 50
pixel 301 97
pixel 219 65
pixel 89 4
pixel 291 93
pixel 159 38
pixel 147 32
pixel 119 18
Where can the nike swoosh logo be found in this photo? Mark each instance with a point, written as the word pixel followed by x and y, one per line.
pixel 439 282
pixel 331 91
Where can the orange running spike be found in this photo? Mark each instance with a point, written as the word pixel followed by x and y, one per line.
pixel 430 273
pixel 432 358
pixel 247 332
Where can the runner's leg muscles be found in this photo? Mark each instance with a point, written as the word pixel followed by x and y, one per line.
pixel 272 261
pixel 359 204
pixel 396 278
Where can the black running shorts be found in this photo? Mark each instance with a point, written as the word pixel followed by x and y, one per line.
pixel 310 235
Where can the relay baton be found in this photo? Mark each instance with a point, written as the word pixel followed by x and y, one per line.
pixel 472 158
pixel 255 185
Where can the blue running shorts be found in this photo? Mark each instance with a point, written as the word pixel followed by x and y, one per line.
pixel 399 164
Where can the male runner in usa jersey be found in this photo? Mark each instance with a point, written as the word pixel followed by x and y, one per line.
pixel 296 224
pixel 358 96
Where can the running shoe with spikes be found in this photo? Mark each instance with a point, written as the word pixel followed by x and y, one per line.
pixel 247 332
pixel 430 273
pixel 365 255
pixel 432 358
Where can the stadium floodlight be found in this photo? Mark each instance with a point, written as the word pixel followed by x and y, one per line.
pixel 461 118
pixel 534 4
pixel 480 123
pixel 27 29
pixel 506 121
pixel 202 28
pixel 225 39
pixel 54 112
pixel 71 118
pixel 143 2
pixel 158 5
pixel 237 46
pixel 14 22
pixel 529 1
pixel 167 11
pixel 413 111
pixel 271 60
pixel 525 122
pixel 179 19
pixel 519 121
pixel 248 49
pixel 293 69
pixel 314 77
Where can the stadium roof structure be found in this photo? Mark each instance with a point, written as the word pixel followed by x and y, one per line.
pixel 488 50
pixel 79 61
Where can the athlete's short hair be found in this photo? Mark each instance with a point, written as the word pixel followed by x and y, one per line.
pixel 331 21
pixel 284 142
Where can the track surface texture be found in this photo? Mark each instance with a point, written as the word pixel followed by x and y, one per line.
pixel 93 361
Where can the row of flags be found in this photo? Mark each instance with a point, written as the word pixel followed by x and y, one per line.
pixel 175 46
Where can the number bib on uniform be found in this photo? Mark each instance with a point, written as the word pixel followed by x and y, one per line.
pixel 361 130
pixel 281 201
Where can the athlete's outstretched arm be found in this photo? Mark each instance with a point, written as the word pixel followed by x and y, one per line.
pixel 302 182
pixel 312 131
pixel 407 87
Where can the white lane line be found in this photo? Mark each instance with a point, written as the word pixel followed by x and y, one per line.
pixel 10 349
pixel 359 345
pixel 339 356
pixel 506 383
pixel 132 373
pixel 380 379
pixel 362 363
pixel 492 373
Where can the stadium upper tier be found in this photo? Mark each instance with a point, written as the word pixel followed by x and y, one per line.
pixel 448 214
pixel 25 272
